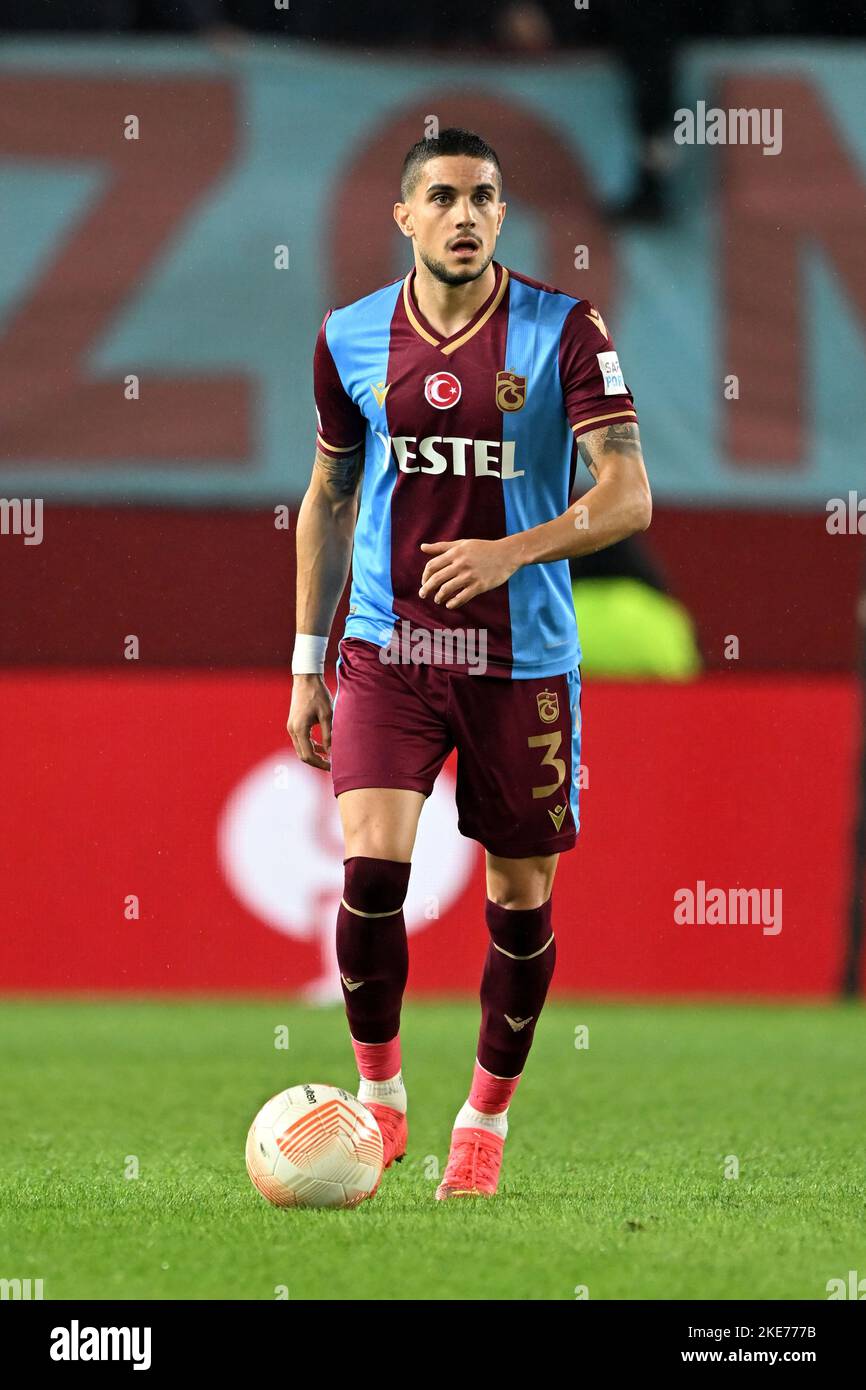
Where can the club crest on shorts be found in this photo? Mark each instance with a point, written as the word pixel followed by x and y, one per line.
pixel 442 390
pixel 510 391
pixel 548 705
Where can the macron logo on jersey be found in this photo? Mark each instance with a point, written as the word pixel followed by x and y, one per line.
pixel 436 453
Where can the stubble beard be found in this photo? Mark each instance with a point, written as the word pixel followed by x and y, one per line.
pixel 453 277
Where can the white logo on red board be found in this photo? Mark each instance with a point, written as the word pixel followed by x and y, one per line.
pixel 443 390
pixel 281 850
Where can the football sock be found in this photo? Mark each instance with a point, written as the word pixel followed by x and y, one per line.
pixel 517 972
pixel 470 1118
pixel 487 1106
pixel 381 1079
pixel 373 957
pixel 391 1092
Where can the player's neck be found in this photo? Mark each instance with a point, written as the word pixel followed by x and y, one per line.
pixel 448 308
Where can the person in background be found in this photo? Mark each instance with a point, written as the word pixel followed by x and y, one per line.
pixel 630 626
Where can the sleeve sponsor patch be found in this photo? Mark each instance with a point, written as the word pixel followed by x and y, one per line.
pixel 614 383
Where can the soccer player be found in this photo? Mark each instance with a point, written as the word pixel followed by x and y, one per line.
pixel 451 405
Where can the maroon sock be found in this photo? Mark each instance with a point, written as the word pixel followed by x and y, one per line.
pixel 372 951
pixel 517 972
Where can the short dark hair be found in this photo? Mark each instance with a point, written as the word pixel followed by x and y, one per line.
pixel 454 140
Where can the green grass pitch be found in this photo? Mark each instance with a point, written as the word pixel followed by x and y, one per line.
pixel 614 1177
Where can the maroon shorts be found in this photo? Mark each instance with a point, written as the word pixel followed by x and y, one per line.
pixel 517 741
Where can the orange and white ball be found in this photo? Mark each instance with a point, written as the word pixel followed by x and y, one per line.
pixel 314 1146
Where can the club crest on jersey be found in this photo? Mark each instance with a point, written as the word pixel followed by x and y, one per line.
pixel 548 705
pixel 510 391
pixel 442 390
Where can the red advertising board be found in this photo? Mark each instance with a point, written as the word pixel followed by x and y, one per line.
pixel 158 833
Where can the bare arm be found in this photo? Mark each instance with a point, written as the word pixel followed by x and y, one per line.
pixel 326 525
pixel 619 505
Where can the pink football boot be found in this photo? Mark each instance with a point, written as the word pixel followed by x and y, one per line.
pixel 473 1165
pixel 395 1130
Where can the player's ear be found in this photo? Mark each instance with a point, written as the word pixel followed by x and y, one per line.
pixel 403 218
pixel 503 208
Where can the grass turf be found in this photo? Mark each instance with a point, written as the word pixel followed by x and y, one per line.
pixel 613 1178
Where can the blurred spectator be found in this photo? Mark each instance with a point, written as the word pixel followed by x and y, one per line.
pixel 526 26
pixel 647 46
pixel 629 625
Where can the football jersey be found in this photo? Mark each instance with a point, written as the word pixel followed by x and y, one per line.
pixel 471 436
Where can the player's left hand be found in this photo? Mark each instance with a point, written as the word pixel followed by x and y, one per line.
pixel 460 570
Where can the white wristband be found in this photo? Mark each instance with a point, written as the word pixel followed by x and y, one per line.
pixel 308 658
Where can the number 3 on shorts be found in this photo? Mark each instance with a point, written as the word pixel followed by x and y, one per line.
pixel 552 743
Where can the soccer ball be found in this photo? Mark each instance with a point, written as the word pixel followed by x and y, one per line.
pixel 314 1146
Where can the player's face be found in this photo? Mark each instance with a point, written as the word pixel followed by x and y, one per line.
pixel 454 216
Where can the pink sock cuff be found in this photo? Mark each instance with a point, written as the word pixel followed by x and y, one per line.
pixel 377 1061
pixel 491 1094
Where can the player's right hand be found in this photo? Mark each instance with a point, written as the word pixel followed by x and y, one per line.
pixel 311 705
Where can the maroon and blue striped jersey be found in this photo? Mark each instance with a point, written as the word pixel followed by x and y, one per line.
pixel 472 436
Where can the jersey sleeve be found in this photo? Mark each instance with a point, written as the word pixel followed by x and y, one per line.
pixel 341 426
pixel 593 386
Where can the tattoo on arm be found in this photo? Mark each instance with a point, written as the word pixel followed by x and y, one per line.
pixel 340 474
pixel 616 439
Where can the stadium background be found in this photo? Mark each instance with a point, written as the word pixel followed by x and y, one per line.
pixel 158 832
